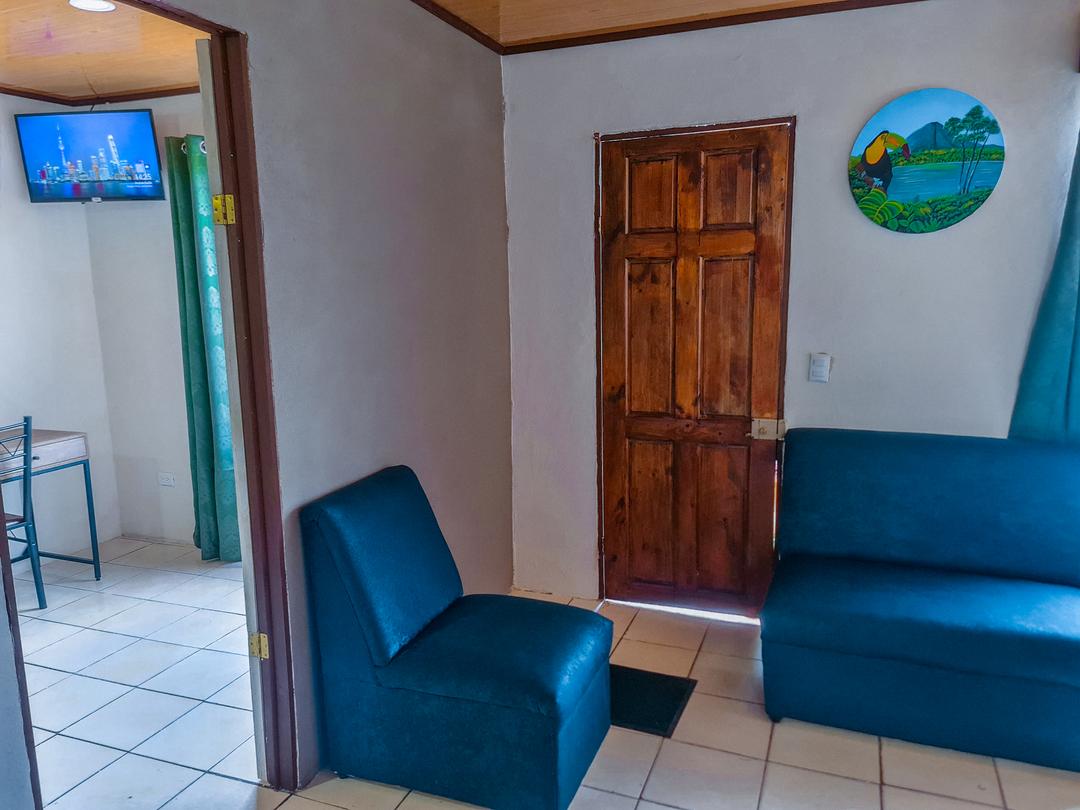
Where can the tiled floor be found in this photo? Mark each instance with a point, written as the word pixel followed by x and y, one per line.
pixel 725 755
pixel 139 689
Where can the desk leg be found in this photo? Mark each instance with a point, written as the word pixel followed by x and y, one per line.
pixel 92 518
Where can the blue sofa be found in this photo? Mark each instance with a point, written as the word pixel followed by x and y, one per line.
pixel 493 700
pixel 928 589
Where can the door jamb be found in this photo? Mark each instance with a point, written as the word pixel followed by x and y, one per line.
pixel 232 90
pixel 598 264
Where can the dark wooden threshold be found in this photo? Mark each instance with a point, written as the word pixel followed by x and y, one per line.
pixel 107 98
pixel 652 30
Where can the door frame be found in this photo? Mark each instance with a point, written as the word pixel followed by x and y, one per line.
pixel 599 140
pixel 239 169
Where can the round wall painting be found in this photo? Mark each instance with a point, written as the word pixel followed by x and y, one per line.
pixel 926 161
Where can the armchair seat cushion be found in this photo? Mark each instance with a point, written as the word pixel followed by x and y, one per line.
pixel 506 651
pixel 962 622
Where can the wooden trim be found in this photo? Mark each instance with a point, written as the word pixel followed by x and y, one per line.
pixel 453 20
pixel 106 98
pixel 20 667
pixel 648 31
pixel 163 8
pixel 598 259
pixel 239 168
pixel 696 129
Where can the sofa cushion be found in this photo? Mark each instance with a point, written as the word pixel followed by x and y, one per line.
pixel 518 653
pixel 965 622
pixel 393 561
pixel 988 506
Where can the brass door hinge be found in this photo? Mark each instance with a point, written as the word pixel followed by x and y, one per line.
pixel 770 430
pixel 259 646
pixel 224 209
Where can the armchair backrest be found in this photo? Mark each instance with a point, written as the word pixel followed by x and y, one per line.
pixel 382 538
pixel 1002 507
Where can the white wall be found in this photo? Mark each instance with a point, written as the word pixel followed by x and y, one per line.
pixel 379 134
pixel 134 273
pixel 929 332
pixel 51 355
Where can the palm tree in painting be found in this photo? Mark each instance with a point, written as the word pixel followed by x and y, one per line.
pixel 970 135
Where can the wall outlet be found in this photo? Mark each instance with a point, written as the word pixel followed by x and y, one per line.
pixel 166 479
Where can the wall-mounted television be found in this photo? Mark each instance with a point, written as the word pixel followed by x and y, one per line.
pixel 90 156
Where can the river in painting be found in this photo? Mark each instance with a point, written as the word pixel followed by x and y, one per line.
pixel 932 180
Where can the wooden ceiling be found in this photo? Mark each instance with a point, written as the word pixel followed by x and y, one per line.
pixel 517 26
pixel 52 51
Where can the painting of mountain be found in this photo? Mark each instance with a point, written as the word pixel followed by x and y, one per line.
pixel 926 161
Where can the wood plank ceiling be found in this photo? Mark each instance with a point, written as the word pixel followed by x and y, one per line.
pixel 52 51
pixel 516 26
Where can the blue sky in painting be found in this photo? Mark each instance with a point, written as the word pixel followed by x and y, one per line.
pixel 908 113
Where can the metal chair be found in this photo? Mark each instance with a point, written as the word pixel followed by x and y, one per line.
pixel 16 457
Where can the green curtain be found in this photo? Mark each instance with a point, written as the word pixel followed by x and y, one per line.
pixel 1048 402
pixel 213 475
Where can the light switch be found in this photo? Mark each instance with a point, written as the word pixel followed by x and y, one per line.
pixel 820 367
pixel 166 479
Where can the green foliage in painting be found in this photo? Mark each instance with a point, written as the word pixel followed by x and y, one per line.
pixel 879 208
pixel 971 134
pixel 955 155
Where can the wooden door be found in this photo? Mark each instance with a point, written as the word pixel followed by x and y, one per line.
pixel 693 280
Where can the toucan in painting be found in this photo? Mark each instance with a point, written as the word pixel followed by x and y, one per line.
pixel 876 164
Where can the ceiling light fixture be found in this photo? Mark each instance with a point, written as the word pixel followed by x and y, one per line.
pixel 93 5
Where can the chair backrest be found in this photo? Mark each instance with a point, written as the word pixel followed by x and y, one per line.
pixel 1003 507
pixel 389 553
pixel 16 458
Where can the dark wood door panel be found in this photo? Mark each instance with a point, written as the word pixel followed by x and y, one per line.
pixel 692 277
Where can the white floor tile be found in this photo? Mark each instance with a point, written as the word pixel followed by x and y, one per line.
pixel 695 778
pixel 144 619
pixel 138 662
pixel 192 563
pixel 653 657
pixel 148 583
pixel 131 783
pixel 38 678
pixel 900 799
pixel 240 764
pixel 621 616
pixel 788 788
pixel 55 596
pixel 623 762
pixel 70 700
pixel 729 638
pixel 111 575
pixel 115 548
pixel 79 650
pixel 725 724
pixel 216 793
pixel 152 555
pixel 237 694
pixel 558 599
pixel 63 763
pixel 585 604
pixel 300 803
pixel 41 735
pixel 234 602
pixel 52 572
pixel 1029 787
pixel 589 799
pixel 353 794
pixel 422 801
pixel 200 675
pixel 201 738
pixel 235 642
pixel 199 628
pixel 667 628
pixel 94 607
pixel 36 634
pixel 727 676
pixel 935 770
pixel 233 571
pixel 831 750
pixel 131 719
pixel 201 592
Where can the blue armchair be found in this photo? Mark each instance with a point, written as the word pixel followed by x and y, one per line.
pixel 493 700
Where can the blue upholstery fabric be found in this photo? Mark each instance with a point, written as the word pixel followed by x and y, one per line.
pixel 391 555
pixel 989 506
pixel 965 622
pixel 497 701
pixel 928 590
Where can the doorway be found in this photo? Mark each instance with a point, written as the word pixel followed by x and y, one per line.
pixel 693 236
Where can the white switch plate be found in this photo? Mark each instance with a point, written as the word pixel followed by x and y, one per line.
pixel 820 367
pixel 165 479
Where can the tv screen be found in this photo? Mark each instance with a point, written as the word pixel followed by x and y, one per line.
pixel 81 156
